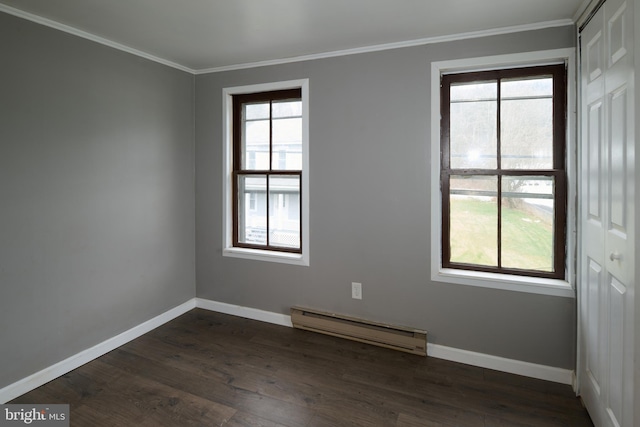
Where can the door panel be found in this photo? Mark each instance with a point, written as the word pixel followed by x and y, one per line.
pixel 594 56
pixel 594 338
pixel 593 164
pixel 617 294
pixel 617 165
pixel 617 41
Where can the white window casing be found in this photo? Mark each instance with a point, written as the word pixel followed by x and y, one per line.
pixel 227 223
pixel 564 288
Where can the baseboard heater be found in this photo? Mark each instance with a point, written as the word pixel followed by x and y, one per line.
pixel 400 338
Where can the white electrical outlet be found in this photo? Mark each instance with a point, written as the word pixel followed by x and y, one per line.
pixel 356 290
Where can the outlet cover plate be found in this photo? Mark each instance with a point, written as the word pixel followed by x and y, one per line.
pixel 356 290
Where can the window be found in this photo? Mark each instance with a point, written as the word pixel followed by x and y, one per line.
pixel 503 171
pixel 501 182
pixel 266 163
pixel 267 127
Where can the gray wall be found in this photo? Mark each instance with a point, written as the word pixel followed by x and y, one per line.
pixel 96 194
pixel 370 213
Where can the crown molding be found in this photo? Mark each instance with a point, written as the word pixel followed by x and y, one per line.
pixel 374 48
pixel 397 45
pixel 85 35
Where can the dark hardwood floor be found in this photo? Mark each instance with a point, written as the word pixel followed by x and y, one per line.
pixel 210 369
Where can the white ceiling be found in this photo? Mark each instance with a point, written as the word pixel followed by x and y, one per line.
pixel 202 35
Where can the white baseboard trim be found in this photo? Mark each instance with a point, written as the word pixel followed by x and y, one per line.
pixel 42 377
pixel 10 392
pixel 246 312
pixel 512 366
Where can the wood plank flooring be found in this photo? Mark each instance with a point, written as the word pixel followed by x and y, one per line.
pixel 211 369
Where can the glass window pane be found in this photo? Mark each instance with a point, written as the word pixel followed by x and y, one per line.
pixel 282 109
pixel 476 91
pixel 255 145
pixel 527 222
pixel 284 224
pixel 293 206
pixel 256 111
pixel 473 130
pixel 526 124
pixel 526 87
pixel 287 144
pixel 474 220
pixel 252 209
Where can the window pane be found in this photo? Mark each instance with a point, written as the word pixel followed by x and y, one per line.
pixel 284 225
pixel 293 206
pixel 474 220
pixel 473 130
pixel 476 91
pixel 539 86
pixel 282 109
pixel 527 124
pixel 256 111
pixel 287 144
pixel 527 222
pixel 255 145
pixel 252 209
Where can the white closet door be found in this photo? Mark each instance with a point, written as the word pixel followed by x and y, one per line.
pixel 607 217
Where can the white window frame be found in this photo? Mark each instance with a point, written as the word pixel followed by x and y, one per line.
pixel 227 136
pixel 535 285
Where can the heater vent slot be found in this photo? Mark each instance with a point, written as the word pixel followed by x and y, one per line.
pixel 400 338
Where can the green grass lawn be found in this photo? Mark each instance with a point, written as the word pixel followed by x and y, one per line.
pixel 527 237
